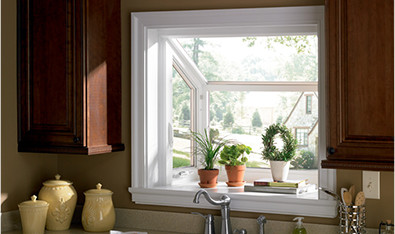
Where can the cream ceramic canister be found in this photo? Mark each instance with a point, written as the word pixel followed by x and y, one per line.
pixel 98 214
pixel 62 198
pixel 33 215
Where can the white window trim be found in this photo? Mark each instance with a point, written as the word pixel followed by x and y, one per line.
pixel 151 122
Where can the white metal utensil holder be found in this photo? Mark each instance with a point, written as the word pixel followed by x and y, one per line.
pixel 352 219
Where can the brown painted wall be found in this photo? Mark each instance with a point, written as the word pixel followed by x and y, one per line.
pixel 22 174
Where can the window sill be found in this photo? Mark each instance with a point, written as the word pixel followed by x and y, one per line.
pixel 181 196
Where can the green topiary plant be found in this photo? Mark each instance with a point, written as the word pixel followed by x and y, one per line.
pixel 209 147
pixel 234 155
pixel 270 151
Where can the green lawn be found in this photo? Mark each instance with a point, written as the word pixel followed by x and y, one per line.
pixel 181 162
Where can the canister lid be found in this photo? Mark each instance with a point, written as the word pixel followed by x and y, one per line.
pixel 98 191
pixel 33 203
pixel 57 182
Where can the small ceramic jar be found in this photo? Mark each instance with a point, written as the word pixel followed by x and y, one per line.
pixel 62 198
pixel 33 215
pixel 98 214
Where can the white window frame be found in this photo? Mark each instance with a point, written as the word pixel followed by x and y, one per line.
pixel 152 122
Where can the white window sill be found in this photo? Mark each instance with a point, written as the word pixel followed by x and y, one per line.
pixel 182 195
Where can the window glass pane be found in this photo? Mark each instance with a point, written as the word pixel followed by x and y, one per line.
pixel 243 116
pixel 301 136
pixel 274 58
pixel 182 155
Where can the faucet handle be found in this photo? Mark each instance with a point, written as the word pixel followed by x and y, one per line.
pixel 197 213
pixel 241 231
pixel 209 224
pixel 261 219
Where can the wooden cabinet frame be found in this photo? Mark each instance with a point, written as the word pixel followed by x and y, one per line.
pixel 69 76
pixel 360 84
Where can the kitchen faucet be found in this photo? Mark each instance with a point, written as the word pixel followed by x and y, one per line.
pixel 261 220
pixel 224 202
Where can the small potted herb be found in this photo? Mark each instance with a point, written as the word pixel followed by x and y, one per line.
pixel 208 147
pixel 279 160
pixel 234 160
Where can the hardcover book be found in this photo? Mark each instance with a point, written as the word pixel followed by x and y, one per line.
pixel 285 190
pixel 287 183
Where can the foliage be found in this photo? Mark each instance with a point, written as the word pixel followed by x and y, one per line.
pixel 238 130
pixel 195 48
pixel 214 133
pixel 228 120
pixel 306 160
pixel 300 43
pixel 256 119
pixel 181 98
pixel 209 147
pixel 250 41
pixel 181 162
pixel 279 119
pixel 234 155
pixel 300 67
pixel 270 151
pixel 219 112
pixel 185 113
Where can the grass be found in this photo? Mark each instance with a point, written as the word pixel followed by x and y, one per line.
pixel 254 164
pixel 181 162
pixel 181 152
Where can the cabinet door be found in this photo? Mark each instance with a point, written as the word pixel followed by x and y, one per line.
pixel 49 74
pixel 360 70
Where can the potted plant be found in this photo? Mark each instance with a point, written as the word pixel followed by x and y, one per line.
pixel 279 159
pixel 208 146
pixel 234 160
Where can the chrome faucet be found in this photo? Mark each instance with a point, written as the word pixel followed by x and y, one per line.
pixel 261 220
pixel 209 223
pixel 224 202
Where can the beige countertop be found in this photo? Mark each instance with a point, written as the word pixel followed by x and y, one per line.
pixel 75 229
pixel 155 222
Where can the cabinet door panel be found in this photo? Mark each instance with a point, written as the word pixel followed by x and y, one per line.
pixel 47 46
pixel 361 79
pixel 48 78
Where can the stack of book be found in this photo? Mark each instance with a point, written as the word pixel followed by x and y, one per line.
pixel 286 187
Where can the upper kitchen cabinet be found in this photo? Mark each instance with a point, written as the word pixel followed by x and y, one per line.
pixel 360 87
pixel 69 76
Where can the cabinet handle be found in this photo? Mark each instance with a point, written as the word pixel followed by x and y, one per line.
pixel 331 150
pixel 76 139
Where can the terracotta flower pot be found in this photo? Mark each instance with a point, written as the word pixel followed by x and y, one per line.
pixel 208 178
pixel 235 175
pixel 279 170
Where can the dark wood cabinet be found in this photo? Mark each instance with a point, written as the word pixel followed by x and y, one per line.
pixel 360 87
pixel 69 76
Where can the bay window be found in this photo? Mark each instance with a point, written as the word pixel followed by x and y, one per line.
pixel 234 72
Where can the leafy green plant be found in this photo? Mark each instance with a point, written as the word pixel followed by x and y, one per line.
pixel 306 160
pixel 234 155
pixel 270 151
pixel 209 147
